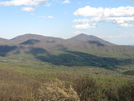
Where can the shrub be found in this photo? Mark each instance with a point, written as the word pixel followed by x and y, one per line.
pixel 57 91
pixel 126 92
pixel 86 88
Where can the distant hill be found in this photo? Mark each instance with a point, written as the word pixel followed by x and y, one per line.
pixel 25 37
pixel 81 50
pixel 81 42
pixel 91 39
pixel 4 41
pixel 84 37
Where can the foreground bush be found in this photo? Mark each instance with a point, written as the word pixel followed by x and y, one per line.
pixel 57 91
pixel 86 88
pixel 126 92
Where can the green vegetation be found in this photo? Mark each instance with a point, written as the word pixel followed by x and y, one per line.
pixel 129 72
pixel 25 78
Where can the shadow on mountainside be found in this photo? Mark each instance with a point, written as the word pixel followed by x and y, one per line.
pixel 5 49
pixel 96 42
pixel 30 42
pixel 38 51
pixel 73 58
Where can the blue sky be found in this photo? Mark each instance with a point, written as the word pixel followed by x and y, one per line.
pixel 112 20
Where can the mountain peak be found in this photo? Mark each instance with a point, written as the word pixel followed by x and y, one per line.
pixel 27 36
pixel 82 34
pixel 85 37
pixel 91 39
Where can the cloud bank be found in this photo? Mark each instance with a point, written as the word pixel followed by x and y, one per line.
pixel 121 15
pixel 105 12
pixel 24 3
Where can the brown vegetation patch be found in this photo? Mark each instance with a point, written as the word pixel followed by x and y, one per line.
pixel 57 91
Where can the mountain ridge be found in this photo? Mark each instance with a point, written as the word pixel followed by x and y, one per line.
pixel 4 41
pixel 91 39
pixel 69 52
pixel 25 37
pixel 88 40
pixel 78 42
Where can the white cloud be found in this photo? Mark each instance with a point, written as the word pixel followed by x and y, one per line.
pixel 81 20
pixel 66 2
pixel 25 3
pixel 28 9
pixel 126 25
pixel 120 20
pixel 89 11
pixel 78 32
pixel 117 20
pixel 49 17
pixel 121 15
pixel 84 26
pixel 105 12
